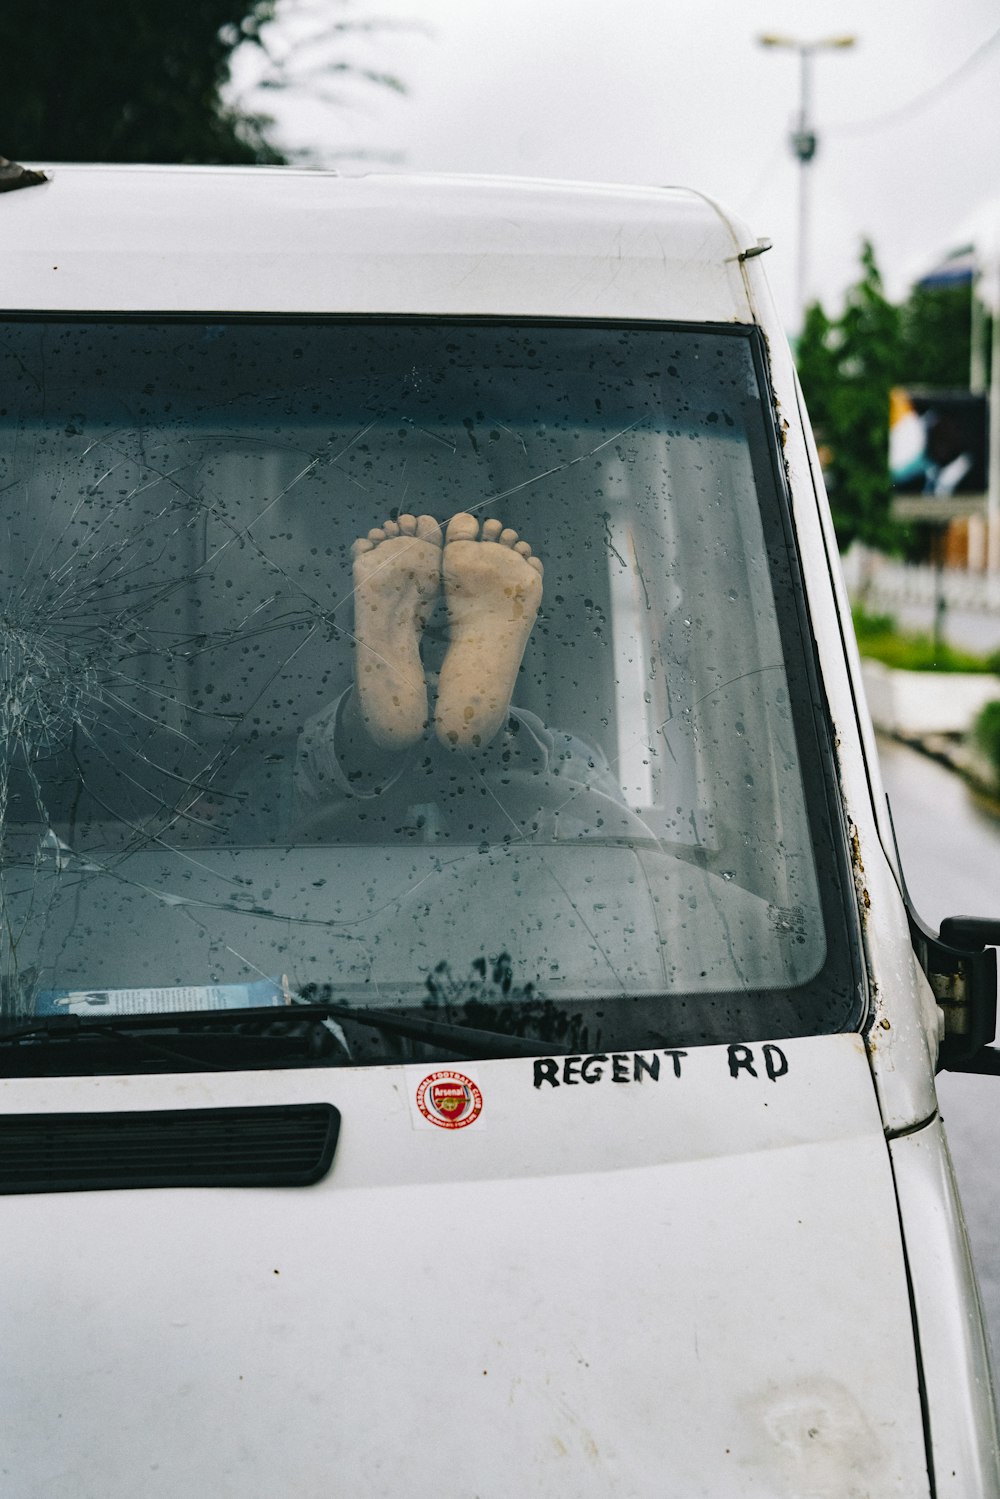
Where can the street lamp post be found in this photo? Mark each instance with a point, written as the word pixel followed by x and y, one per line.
pixel 803 140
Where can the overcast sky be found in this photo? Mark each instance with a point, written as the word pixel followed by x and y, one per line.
pixel 679 92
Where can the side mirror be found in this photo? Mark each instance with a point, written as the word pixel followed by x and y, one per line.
pixel 961 965
pixel 971 933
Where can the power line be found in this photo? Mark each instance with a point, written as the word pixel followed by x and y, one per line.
pixel 913 106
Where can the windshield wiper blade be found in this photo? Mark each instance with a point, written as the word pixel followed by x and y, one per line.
pixel 63 1028
pixel 141 1029
pixel 466 1038
pixel 187 1029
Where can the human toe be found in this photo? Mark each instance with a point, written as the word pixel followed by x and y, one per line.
pixel 428 529
pixel 462 527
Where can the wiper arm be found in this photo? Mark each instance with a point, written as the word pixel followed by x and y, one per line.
pixel 467 1038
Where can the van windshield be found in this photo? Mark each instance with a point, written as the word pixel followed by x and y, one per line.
pixel 433 674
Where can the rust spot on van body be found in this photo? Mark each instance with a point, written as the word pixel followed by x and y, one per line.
pixel 857 865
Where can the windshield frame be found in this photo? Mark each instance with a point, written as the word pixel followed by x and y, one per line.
pixel 809 709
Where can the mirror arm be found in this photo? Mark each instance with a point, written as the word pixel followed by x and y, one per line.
pixel 961 967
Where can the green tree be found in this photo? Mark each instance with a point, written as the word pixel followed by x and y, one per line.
pixel 142 82
pixel 935 337
pixel 847 366
pixel 145 81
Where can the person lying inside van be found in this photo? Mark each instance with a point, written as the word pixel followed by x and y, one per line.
pixel 405 751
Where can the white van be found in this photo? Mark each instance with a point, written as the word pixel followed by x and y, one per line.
pixel 462 1028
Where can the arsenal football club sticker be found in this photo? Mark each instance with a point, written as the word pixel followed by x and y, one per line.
pixel 449 1100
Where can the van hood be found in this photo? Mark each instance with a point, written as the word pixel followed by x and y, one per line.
pixel 640 1274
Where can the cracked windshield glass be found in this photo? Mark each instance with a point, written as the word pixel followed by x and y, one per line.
pixel 444 678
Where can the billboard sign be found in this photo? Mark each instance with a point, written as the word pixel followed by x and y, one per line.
pixel 937 444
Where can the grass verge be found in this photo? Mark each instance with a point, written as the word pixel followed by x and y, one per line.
pixel 879 639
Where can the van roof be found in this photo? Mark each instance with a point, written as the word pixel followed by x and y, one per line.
pixel 285 240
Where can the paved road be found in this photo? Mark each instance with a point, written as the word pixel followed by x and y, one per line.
pixel 950 848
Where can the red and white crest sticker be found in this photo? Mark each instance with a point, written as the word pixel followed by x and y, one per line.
pixel 449 1100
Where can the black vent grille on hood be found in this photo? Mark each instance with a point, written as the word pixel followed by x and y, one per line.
pixel 287 1145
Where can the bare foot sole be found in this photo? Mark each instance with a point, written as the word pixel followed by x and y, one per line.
pixel 493 587
pixel 397 573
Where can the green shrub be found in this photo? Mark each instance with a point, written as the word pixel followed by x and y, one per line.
pixel 872 625
pixel 986 733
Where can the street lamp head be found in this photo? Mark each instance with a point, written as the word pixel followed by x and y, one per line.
pixel 774 39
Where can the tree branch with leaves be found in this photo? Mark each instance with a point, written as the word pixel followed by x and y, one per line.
pixel 847 366
pixel 148 82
